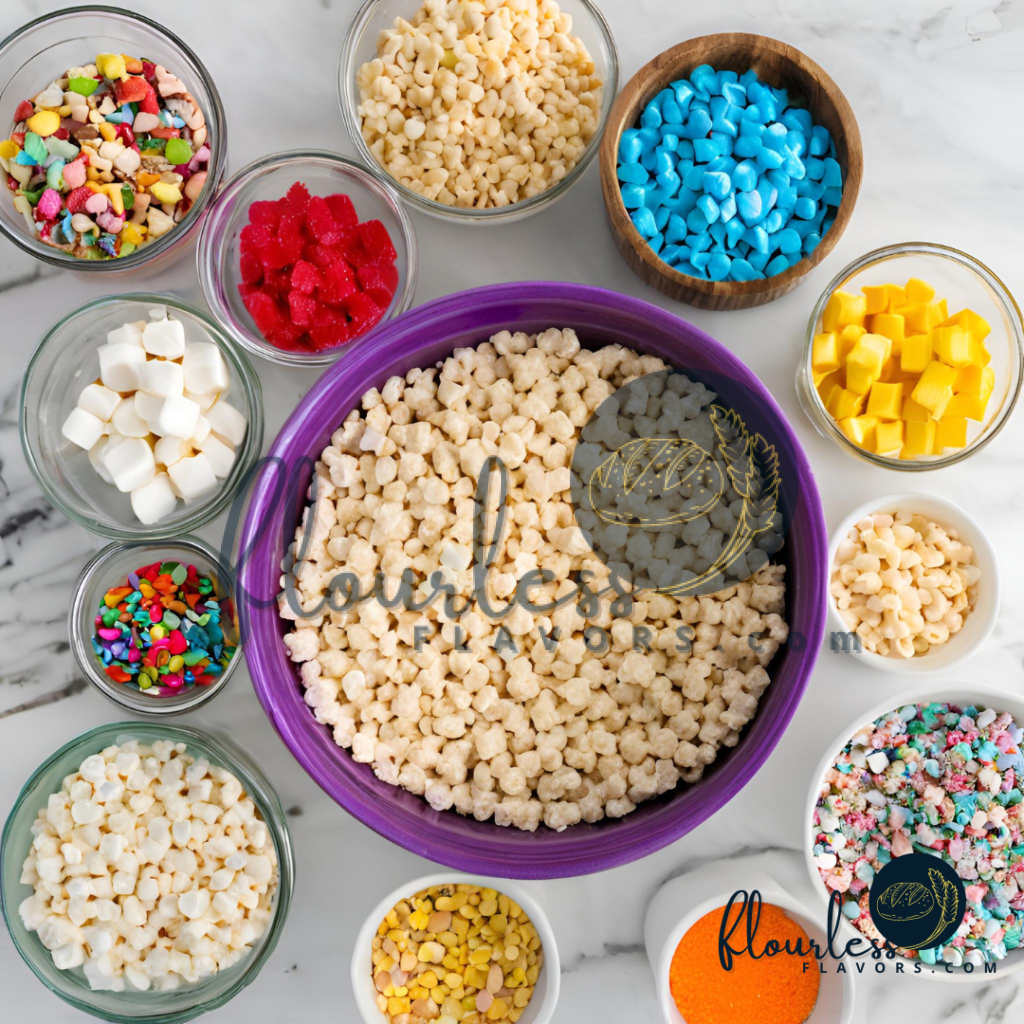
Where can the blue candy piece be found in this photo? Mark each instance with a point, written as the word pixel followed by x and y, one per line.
pixel 671 254
pixel 748 78
pixel 832 196
pixel 699 242
pixel 820 140
pixel 670 143
pixel 734 229
pixel 709 208
pixel 633 197
pixel 748 205
pixel 664 160
pixel 661 217
pixel 758 239
pixel 774 221
pixel 805 208
pixel 705 150
pixel 727 208
pixel 696 221
pixel 647 160
pixel 684 94
pixel 704 80
pixel 787 197
pixel 718 266
pixel 698 124
pixel 768 158
pixel 717 184
pixel 650 139
pixel 796 143
pixel 735 93
pixel 812 189
pixel 794 167
pixel 645 223
pixel 744 177
pixel 797 119
pixel 685 149
pixel 788 241
pixel 741 270
pixel 651 117
pixel 833 176
pixel 670 110
pixel 776 266
pixel 634 174
pixel 811 242
pixel 700 260
pixel 683 164
pixel 690 270
pixel 751 116
pixel 685 201
pixel 717 233
pixel 723 125
pixel 676 230
pixel 656 242
pixel 725 142
pixel 669 183
pixel 751 128
pixel 778 177
pixel 758 260
pixel 815 168
pixel 747 146
pixel 775 136
pixel 721 163
pixel 694 178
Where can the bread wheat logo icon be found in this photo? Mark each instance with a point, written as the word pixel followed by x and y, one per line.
pixel 947 898
pixel 905 901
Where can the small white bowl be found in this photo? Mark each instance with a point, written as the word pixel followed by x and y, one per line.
pixel 682 902
pixel 947 693
pixel 978 625
pixel 545 994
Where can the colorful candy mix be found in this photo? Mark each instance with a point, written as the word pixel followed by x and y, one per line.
pixel 313 275
pixel 107 158
pixel 161 631
pixel 941 779
pixel 725 180
pixel 900 375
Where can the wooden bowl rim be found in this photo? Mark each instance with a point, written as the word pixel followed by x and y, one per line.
pixel 622 110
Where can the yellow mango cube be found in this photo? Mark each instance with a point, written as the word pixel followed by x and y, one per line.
pixel 951 345
pixel 888 436
pixel 935 388
pixel 848 337
pixel 825 382
pixel 876 297
pixel 917 319
pixel 968 406
pixel 916 353
pixel 825 352
pixel 979 354
pixel 897 297
pixel 889 325
pixel 969 380
pixel 919 291
pixel 950 432
pixel 870 353
pixel 842 309
pixel 913 412
pixel 919 439
pixel 860 430
pixel 844 403
pixel 969 321
pixel 885 401
pixel 937 312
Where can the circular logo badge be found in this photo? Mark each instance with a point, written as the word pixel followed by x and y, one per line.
pixel 673 486
pixel 917 901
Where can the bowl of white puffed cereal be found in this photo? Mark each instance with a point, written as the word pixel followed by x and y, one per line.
pixel 147 872
pixel 478 116
pixel 466 692
pixel 913 584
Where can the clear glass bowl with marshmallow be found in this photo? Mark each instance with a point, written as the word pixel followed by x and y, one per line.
pixel 96 382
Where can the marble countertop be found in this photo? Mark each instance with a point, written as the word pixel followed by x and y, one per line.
pixel 936 85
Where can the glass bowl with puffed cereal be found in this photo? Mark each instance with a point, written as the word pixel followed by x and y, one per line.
pixel 75 837
pixel 504 753
pixel 913 584
pixel 914 357
pixel 469 119
pixel 185 453
pixel 148 119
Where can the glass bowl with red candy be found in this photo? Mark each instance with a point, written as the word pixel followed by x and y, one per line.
pixel 304 254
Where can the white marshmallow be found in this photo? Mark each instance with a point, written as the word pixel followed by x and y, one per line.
pixel 205 369
pixel 127 421
pixel 155 500
pixel 221 457
pixel 162 377
pixel 193 477
pixel 98 400
pixel 120 366
pixel 110 442
pixel 126 334
pixel 169 450
pixel 177 417
pixel 165 338
pixel 97 462
pixel 227 423
pixel 130 462
pixel 157 313
pixel 82 428
pixel 148 406
pixel 201 433
pixel 203 401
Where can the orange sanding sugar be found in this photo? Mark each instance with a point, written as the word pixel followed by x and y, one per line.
pixel 770 990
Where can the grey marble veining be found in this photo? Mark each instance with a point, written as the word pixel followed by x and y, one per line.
pixel 937 88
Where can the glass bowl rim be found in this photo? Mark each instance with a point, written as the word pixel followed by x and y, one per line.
pixel 240 764
pixel 1004 298
pixel 471 215
pixel 215 170
pixel 155 708
pixel 383 189
pixel 203 511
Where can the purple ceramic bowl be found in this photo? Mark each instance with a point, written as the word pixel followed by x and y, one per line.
pixel 421 338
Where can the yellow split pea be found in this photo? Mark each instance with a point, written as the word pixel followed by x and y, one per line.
pixel 456 954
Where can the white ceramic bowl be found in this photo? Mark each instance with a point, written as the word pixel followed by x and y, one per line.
pixel 957 693
pixel 682 902
pixel 977 626
pixel 545 994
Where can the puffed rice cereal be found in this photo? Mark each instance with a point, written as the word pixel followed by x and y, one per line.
pixel 522 724
pixel 151 868
pixel 479 103
pixel 903 584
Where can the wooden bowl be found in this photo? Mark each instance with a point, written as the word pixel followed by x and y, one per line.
pixel 777 64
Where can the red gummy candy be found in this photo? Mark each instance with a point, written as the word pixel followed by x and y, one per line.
pixel 297 199
pixel 131 90
pixel 165 133
pixel 253 237
pixel 343 211
pixel 290 338
pixel 321 222
pixel 251 267
pixel 277 282
pixel 266 212
pixel 377 241
pixel 77 199
pixel 338 283
pixel 148 104
pixel 305 277
pixel 378 283
pixel 290 235
pixel 302 307
pixel 24 112
pixel 363 311
pixel 329 335
pixel 148 70
pixel 264 310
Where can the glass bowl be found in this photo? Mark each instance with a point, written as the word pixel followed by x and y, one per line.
pixel 32 56
pixel 966 283
pixel 109 568
pixel 130 1007
pixel 269 178
pixel 64 362
pixel 361 46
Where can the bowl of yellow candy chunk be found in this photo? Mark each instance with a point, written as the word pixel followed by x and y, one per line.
pixel 913 358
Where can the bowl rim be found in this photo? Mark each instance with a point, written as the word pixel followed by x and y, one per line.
pixel 346 75
pixel 81 647
pixel 551 967
pixel 206 258
pixel 258 573
pixel 625 109
pixel 823 420
pixel 240 764
pixel 920 694
pixel 215 169
pixel 204 511
pixel 980 539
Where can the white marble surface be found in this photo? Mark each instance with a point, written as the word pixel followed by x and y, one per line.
pixel 937 87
